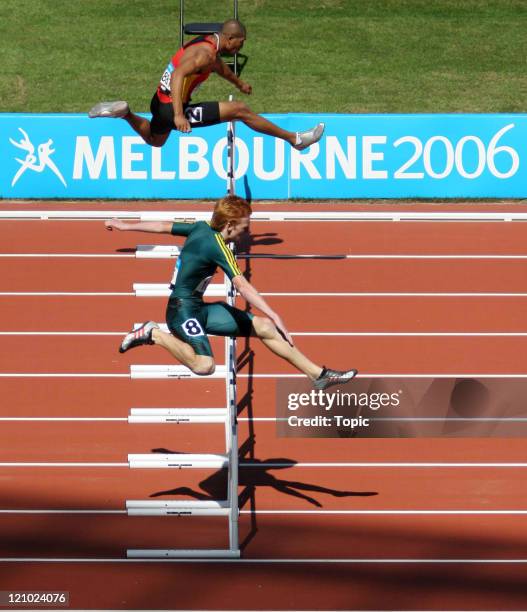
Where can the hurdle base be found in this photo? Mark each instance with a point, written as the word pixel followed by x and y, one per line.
pixel 135 553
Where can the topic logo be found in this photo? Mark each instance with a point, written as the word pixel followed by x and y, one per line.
pixel 38 162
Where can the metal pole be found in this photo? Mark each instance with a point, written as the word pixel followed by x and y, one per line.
pixel 233 430
pixel 231 149
pixel 181 21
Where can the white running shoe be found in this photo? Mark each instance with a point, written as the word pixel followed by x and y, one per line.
pixel 329 377
pixel 310 137
pixel 139 336
pixel 109 109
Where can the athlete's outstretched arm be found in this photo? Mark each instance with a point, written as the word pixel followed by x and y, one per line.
pixel 250 293
pixel 156 227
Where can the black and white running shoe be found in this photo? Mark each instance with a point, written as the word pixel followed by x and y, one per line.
pixel 139 336
pixel 329 377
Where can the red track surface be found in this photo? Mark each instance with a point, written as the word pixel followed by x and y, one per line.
pixel 257 583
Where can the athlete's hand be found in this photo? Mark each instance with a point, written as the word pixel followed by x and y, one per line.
pixel 113 224
pixel 282 330
pixel 182 124
pixel 245 88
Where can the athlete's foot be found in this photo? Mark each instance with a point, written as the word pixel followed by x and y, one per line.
pixel 109 109
pixel 139 336
pixel 329 377
pixel 305 139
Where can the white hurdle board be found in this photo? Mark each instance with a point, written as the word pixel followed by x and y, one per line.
pixel 178 416
pixel 163 290
pixel 178 508
pixel 156 251
pixel 172 371
pixel 178 461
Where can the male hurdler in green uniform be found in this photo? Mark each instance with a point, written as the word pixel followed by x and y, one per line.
pixel 190 319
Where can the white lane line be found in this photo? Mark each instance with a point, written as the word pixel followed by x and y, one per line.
pixel 413 334
pixel 384 464
pixel 77 255
pixel 395 294
pixel 277 464
pixel 401 375
pixel 299 334
pixel 329 256
pixel 267 216
pixel 63 511
pixel 60 464
pixel 301 512
pixel 274 376
pixel 53 419
pixel 59 375
pixel 266 561
pixel 59 333
pixel 64 293
pixel 276 419
pixel 361 294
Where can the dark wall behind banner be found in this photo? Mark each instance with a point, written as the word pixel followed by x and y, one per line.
pixel 404 408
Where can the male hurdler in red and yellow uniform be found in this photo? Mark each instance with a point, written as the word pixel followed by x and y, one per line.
pixel 171 105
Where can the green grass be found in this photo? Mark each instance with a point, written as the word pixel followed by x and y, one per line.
pixel 338 56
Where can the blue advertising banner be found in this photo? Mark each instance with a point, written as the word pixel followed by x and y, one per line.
pixel 359 156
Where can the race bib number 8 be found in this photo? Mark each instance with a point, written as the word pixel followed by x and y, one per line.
pixel 191 327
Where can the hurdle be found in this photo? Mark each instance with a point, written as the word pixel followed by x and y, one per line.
pixel 227 415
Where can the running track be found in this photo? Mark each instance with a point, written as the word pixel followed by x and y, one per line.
pixel 369 531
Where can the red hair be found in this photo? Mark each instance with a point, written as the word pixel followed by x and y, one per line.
pixel 229 208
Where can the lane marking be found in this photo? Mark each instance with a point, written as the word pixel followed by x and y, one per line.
pixel 335 256
pixel 307 560
pixel 296 512
pixel 277 464
pixel 404 334
pixel 60 464
pixel 396 294
pixel 64 293
pixel 386 464
pixel 79 255
pixel 276 376
pixel 277 294
pixel 63 512
pixel 275 215
pixel 60 375
pixel 53 419
pixel 276 419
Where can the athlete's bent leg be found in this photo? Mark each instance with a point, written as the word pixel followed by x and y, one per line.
pixel 202 365
pixel 230 111
pixel 142 127
pixel 266 330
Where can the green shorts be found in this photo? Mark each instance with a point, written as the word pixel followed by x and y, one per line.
pixel 191 320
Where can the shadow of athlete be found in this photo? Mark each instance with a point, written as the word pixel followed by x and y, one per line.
pixel 257 475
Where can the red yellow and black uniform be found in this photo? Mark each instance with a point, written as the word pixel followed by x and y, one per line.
pixel 198 115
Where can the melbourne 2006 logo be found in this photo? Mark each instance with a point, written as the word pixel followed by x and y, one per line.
pixel 38 160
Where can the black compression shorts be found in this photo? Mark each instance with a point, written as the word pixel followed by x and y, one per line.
pixel 198 115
